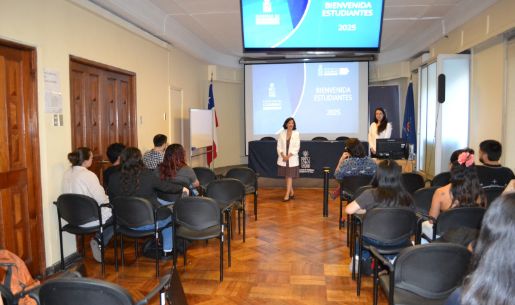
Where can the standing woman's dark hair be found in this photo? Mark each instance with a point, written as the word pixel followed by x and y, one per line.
pixel 493 263
pixel 174 159
pixel 465 187
pixel 78 156
pixel 288 120
pixel 381 126
pixel 388 183
pixel 131 168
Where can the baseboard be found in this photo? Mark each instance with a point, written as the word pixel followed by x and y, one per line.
pixel 69 261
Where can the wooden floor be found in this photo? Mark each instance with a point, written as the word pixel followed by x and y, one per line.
pixel 292 255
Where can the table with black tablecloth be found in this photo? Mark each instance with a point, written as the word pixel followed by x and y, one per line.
pixel 313 156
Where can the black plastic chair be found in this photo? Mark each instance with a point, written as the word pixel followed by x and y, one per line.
pixel 412 182
pixel 468 217
pixel 198 218
pixel 342 138
pixel 423 198
pixel 441 179
pixel 78 210
pixel 87 291
pixel 389 226
pixel 249 178
pixel 133 212
pixel 268 139
pixel 319 139
pixel 492 192
pixel 204 176
pixel 423 274
pixel 349 185
pixel 352 221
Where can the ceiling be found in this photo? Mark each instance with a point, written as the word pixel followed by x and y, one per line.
pixel 211 30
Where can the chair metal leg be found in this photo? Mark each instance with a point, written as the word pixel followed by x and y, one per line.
pixel 102 251
pixel 244 220
pixel 156 239
pixel 229 236
pixel 255 205
pixel 221 257
pixel 115 251
pixel 340 222
pixel 122 250
pixel 360 269
pixel 184 255
pixel 61 245
pixel 82 237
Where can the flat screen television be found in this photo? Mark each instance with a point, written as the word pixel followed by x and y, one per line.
pixel 311 25
pixel 391 148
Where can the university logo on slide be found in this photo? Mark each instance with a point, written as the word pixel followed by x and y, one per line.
pixel 305 163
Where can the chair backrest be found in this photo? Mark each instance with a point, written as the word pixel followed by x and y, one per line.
pixel 433 270
pixel 83 291
pixel 319 139
pixel 342 138
pixel 245 174
pixel 226 191
pixel 389 225
pixel 352 183
pixel 492 192
pixel 268 139
pixel 441 179
pixel 469 217
pixel 77 209
pixel 132 211
pixel 423 198
pixel 204 175
pixel 197 213
pixel 412 182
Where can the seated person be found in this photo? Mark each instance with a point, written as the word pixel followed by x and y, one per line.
pixel 388 191
pixel 353 162
pixel 174 168
pixel 154 157
pixel 113 154
pixel 463 190
pixel 491 279
pixel 79 180
pixel 134 179
pixel 492 173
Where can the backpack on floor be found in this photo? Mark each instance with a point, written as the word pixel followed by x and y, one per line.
pixel 15 276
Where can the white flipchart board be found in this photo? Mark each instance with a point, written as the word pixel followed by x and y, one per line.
pixel 201 128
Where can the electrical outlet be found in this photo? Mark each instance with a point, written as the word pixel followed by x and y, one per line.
pixel 56 120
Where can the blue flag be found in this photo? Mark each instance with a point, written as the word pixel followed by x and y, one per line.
pixel 409 133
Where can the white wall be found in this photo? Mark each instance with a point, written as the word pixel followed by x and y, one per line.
pixel 58 29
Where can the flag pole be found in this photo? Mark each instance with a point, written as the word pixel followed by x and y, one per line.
pixel 212 128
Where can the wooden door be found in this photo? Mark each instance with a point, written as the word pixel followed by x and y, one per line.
pixel 21 225
pixel 103 109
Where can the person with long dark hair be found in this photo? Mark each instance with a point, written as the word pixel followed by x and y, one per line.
pixel 288 145
pixel 174 167
pixel 463 189
pixel 134 179
pixel 379 129
pixel 387 191
pixel 79 180
pixel 492 265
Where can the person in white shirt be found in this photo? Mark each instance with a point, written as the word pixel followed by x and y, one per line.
pixel 79 180
pixel 379 129
pixel 288 145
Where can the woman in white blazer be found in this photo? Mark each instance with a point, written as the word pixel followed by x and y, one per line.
pixel 288 145
pixel 379 129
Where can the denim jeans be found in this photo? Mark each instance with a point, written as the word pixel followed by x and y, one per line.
pixel 167 233
pixel 372 242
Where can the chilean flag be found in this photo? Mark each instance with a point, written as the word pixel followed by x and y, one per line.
pixel 211 150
